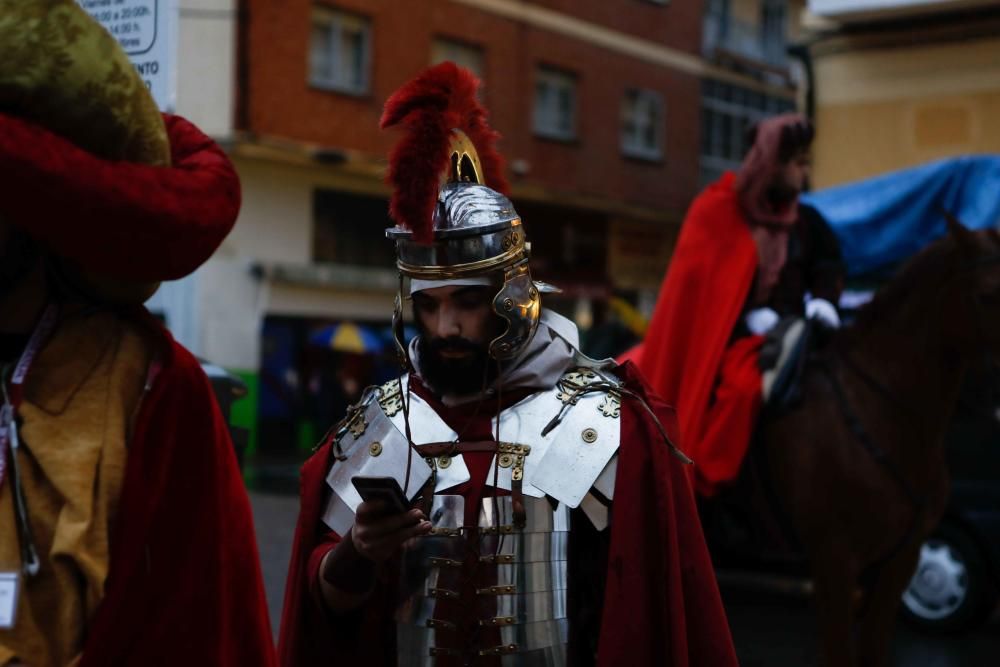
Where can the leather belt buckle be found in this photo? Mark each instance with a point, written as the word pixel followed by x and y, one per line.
pixel 438 624
pixel 506 649
pixel 442 593
pixel 501 559
pixel 497 590
pixel 498 621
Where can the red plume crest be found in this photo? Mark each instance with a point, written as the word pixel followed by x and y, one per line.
pixel 439 99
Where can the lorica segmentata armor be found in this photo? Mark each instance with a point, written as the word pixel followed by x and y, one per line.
pixel 486 586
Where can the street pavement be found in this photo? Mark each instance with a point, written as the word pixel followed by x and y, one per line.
pixel 274 517
pixel 768 629
pixel 772 629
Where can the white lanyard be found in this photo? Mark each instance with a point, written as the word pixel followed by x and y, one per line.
pixel 12 398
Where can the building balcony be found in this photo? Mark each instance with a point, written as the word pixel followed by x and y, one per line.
pixel 746 45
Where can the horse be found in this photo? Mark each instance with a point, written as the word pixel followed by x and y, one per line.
pixel 857 468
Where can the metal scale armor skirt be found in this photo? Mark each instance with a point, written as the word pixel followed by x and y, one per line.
pixel 488 594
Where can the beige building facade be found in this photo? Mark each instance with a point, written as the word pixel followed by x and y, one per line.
pixel 894 90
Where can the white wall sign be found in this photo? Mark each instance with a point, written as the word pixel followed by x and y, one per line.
pixel 147 30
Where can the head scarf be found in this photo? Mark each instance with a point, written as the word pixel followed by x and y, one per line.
pixel 770 221
pixel 761 167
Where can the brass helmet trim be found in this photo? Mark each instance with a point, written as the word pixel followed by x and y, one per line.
pixel 464 164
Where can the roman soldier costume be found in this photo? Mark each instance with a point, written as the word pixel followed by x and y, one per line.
pixel 555 494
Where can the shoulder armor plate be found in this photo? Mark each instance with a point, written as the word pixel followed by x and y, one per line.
pixel 372 443
pixel 568 459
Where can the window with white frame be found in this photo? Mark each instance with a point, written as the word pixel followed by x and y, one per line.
pixel 340 51
pixel 555 104
pixel 727 112
pixel 642 124
pixel 462 54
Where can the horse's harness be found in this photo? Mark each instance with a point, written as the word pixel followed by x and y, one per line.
pixel 878 454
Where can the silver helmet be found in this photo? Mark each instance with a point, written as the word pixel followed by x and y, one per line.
pixel 471 230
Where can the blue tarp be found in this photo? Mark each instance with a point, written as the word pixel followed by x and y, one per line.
pixel 883 220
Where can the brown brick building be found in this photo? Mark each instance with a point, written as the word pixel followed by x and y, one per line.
pixel 280 102
pixel 577 182
pixel 599 103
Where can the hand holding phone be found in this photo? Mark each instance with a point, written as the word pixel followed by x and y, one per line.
pixel 377 533
pixel 385 489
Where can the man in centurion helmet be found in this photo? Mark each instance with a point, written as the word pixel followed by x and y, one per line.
pixel 125 530
pixel 547 519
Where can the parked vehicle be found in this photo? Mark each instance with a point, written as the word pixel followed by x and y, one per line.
pixel 957 582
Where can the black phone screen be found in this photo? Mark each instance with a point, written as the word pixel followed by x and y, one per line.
pixel 385 489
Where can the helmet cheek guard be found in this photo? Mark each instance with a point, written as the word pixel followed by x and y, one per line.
pixel 519 305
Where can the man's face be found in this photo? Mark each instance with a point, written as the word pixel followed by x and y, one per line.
pixel 456 325
pixel 793 179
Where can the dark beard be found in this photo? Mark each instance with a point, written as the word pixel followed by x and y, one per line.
pixel 455 377
pixel 781 196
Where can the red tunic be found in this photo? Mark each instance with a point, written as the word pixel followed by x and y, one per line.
pixel 688 356
pixel 661 601
pixel 185 585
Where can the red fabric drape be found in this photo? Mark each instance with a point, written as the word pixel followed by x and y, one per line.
pixel 702 296
pixel 120 220
pixel 662 604
pixel 661 600
pixel 730 418
pixel 185 584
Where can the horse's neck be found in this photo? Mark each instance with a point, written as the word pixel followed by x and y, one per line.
pixel 910 355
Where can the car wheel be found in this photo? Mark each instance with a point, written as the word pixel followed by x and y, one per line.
pixel 951 590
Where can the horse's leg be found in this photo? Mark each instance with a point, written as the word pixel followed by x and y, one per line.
pixel 835 578
pixel 879 615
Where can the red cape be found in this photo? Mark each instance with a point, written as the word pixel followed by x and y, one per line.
pixel 702 295
pixel 185 585
pixel 662 604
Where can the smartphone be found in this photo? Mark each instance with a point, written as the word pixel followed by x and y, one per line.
pixel 385 489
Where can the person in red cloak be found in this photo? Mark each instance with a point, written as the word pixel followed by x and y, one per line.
pixel 127 537
pixel 545 513
pixel 748 255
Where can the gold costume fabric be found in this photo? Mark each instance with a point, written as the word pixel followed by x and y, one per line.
pixel 80 397
pixel 61 70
